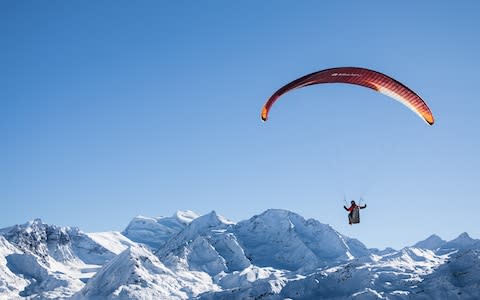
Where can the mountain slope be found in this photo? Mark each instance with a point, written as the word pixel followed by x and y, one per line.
pixel 10 283
pixel 459 278
pixel 298 243
pixel 113 241
pixel 138 274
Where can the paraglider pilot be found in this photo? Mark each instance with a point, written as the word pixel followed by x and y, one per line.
pixel 354 214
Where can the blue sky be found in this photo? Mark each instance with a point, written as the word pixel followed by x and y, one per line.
pixel 111 109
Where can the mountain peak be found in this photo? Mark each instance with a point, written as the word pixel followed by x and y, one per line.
pixel 463 239
pixel 279 217
pixel 278 212
pixel 464 236
pixel 155 232
pixel 309 243
pixel 433 242
pixel 36 221
pixel 462 242
pixel 212 219
pixel 185 216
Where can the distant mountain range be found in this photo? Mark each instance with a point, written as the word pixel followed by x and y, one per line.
pixel 275 255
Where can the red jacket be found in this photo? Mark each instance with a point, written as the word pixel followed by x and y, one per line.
pixel 352 207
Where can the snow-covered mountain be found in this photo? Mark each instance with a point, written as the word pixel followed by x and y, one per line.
pixel 205 245
pixel 274 255
pixel 298 244
pixel 48 261
pixel 155 232
pixel 462 242
pixel 62 244
pixel 138 274
pixel 433 242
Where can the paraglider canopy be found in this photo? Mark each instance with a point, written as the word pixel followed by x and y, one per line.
pixel 357 76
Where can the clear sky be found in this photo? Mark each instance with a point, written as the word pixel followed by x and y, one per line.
pixel 112 109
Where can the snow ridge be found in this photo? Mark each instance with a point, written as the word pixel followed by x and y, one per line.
pixel 154 232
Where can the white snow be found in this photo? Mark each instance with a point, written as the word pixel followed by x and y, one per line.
pixel 10 283
pixel 155 232
pixel 113 241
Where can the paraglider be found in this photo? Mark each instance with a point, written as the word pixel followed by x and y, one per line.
pixel 354 212
pixel 362 77
pixel 357 76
